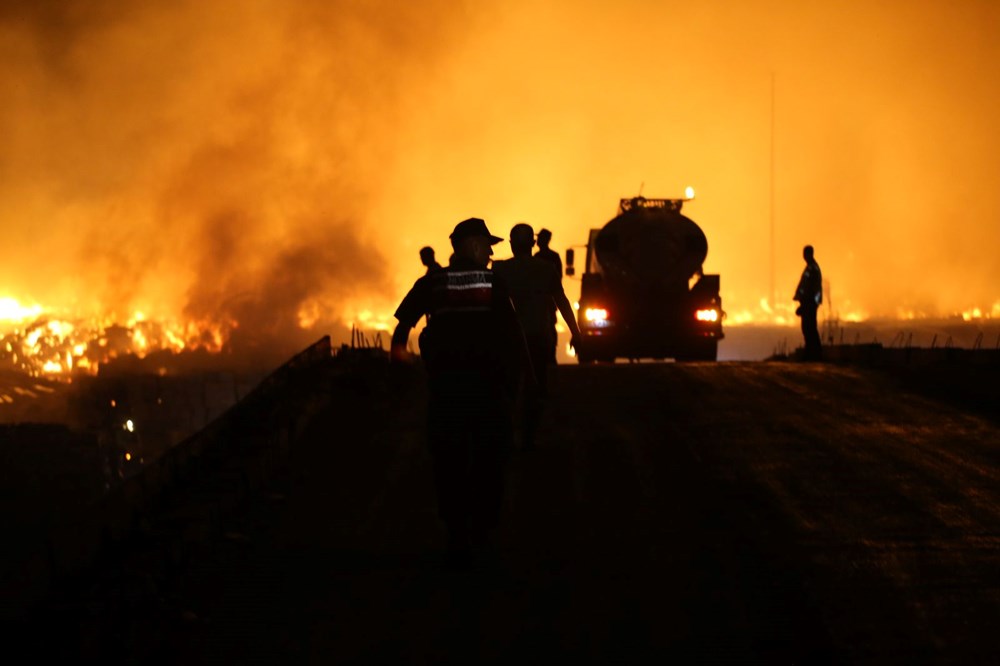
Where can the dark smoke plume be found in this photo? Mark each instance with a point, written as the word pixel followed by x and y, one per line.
pixel 205 161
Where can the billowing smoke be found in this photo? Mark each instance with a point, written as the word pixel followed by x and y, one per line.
pixel 278 164
pixel 198 161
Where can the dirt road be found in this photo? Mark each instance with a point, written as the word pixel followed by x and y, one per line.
pixel 698 513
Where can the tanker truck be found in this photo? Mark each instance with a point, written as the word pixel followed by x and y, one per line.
pixel 643 293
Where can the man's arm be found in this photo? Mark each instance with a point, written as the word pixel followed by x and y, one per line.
pixel 568 315
pixel 565 308
pixel 400 337
pixel 800 288
pixel 817 286
pixel 409 312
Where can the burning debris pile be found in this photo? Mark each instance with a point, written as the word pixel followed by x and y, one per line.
pixel 47 345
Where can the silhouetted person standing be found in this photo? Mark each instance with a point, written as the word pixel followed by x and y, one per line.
pixel 809 294
pixel 428 260
pixel 473 353
pixel 536 290
pixel 547 253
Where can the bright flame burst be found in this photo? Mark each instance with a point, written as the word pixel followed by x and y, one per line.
pixel 35 341
pixel 783 314
pixel 977 313
pixel 369 320
pixel 12 311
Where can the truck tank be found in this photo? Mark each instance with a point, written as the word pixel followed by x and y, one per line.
pixel 650 246
pixel 643 293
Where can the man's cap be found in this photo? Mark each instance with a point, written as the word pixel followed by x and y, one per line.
pixel 544 232
pixel 473 227
pixel 522 234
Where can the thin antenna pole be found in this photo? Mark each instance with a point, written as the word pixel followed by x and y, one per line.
pixel 773 296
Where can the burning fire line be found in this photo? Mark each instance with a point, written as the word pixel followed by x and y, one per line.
pixel 37 343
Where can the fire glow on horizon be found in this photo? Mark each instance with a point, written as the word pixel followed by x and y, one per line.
pixel 152 163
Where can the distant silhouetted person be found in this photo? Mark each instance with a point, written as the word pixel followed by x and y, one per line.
pixel 536 289
pixel 547 253
pixel 428 260
pixel 473 353
pixel 551 256
pixel 809 294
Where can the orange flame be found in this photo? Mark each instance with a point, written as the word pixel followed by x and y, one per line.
pixel 34 342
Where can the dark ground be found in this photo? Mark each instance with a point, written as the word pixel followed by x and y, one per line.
pixel 770 513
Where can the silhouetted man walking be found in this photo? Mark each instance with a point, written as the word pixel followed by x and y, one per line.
pixel 809 294
pixel 473 351
pixel 536 290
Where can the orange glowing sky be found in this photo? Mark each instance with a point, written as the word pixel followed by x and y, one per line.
pixel 281 163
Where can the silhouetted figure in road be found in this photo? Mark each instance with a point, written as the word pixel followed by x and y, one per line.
pixel 428 260
pixel 547 253
pixel 809 294
pixel 473 353
pixel 536 290
pixel 551 256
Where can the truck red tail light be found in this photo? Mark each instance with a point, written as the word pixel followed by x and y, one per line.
pixel 709 315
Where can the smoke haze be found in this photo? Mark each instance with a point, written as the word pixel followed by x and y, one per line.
pixel 276 166
pixel 883 144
